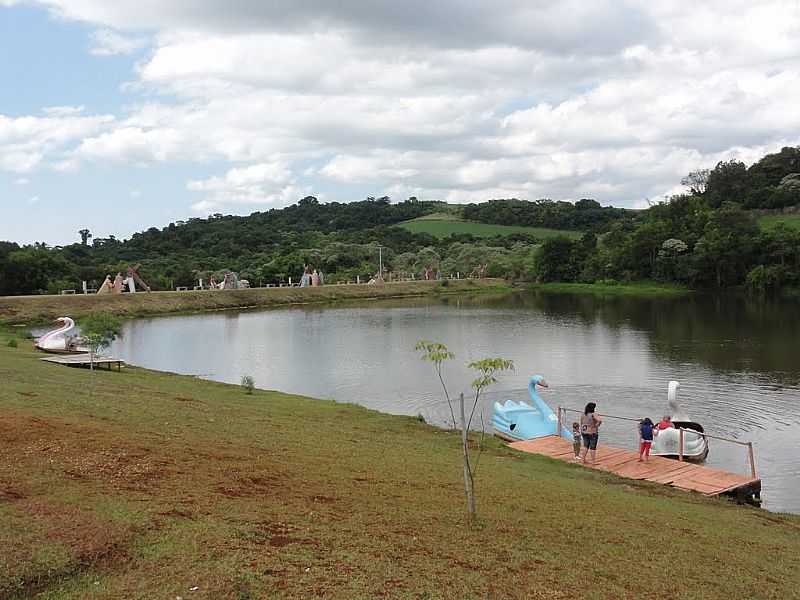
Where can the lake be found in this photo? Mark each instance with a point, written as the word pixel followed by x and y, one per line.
pixel 735 358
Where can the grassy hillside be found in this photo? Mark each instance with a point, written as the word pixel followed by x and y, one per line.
pixel 442 225
pixel 770 221
pixel 144 485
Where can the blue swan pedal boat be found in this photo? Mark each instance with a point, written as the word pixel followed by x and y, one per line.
pixel 516 421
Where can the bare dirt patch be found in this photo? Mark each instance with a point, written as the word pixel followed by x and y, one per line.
pixel 10 494
pixel 323 499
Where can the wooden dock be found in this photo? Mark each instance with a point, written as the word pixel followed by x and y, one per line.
pixel 83 360
pixel 625 463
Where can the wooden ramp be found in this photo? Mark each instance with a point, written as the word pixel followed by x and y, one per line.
pixel 83 360
pixel 625 463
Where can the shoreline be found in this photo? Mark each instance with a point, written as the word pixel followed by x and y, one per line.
pixel 645 289
pixel 15 310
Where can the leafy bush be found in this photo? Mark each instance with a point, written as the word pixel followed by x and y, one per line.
pixel 99 330
pixel 12 343
pixel 248 383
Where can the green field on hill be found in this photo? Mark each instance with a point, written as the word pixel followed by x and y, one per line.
pixel 770 221
pixel 442 225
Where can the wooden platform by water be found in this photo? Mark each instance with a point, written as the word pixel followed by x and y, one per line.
pixel 682 475
pixel 84 360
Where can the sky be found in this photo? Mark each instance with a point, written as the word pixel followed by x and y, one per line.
pixel 120 116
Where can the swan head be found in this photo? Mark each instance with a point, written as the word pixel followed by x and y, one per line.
pixel 539 380
pixel 672 391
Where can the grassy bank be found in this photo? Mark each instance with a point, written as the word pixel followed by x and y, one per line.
pixel 30 309
pixel 144 485
pixel 641 288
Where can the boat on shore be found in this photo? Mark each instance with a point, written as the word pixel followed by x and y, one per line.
pixel 59 340
pixel 667 442
pixel 515 421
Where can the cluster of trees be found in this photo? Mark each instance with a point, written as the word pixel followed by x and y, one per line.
pixel 585 214
pixel 772 182
pixel 707 237
pixel 682 241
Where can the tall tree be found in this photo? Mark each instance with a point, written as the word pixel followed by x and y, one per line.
pixel 85 235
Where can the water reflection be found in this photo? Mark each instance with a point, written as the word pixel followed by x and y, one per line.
pixel 732 356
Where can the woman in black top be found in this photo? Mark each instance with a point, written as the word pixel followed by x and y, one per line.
pixel 589 425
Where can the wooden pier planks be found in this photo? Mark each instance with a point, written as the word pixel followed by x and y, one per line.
pixel 83 360
pixel 625 463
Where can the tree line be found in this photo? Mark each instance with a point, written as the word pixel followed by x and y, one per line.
pixel 707 237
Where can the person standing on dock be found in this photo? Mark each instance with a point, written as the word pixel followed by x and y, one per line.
pixel 576 440
pixel 589 425
pixel 645 438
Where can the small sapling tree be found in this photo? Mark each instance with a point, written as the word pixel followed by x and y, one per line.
pixel 487 369
pixel 438 353
pixel 98 331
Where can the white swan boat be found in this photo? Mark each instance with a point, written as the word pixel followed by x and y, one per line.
pixel 58 341
pixel 667 442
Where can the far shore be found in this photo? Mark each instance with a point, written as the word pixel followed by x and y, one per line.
pixel 635 288
pixel 38 309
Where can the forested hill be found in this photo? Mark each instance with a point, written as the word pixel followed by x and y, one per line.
pixel 231 236
pixel 342 239
pixel 705 237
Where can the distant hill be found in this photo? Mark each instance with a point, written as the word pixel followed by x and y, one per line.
pixel 341 239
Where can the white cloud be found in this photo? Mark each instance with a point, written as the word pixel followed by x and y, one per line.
pixel 106 42
pixel 264 183
pixel 33 200
pixel 25 142
pixel 68 165
pixel 63 111
pixel 22 181
pixel 451 100
pixel 134 145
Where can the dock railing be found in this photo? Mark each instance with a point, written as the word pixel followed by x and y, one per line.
pixel 749 445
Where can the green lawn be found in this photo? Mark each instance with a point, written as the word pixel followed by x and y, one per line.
pixel 770 221
pixel 442 225
pixel 143 485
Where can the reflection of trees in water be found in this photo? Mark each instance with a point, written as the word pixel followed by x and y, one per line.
pixel 725 333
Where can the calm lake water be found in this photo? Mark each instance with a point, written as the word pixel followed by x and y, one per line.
pixel 737 361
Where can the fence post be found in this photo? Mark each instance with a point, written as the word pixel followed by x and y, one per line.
pixel 680 448
pixel 752 460
pixel 558 427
